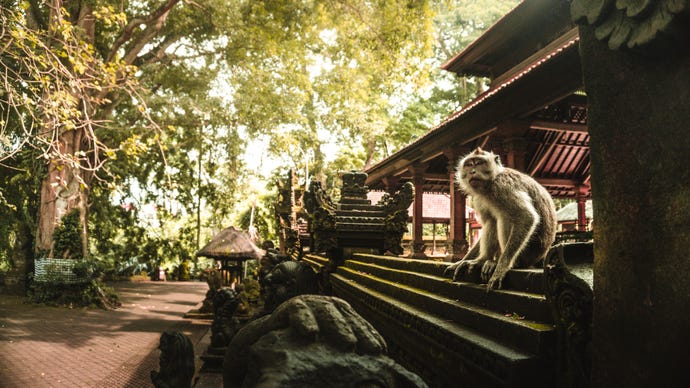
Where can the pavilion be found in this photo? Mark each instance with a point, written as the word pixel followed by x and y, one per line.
pixel 534 115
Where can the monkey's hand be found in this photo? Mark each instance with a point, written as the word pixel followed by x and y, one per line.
pixel 487 270
pixel 496 280
pixel 464 266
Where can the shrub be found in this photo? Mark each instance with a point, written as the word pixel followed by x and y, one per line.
pixel 82 288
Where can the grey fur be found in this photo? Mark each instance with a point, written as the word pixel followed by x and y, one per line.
pixel 517 214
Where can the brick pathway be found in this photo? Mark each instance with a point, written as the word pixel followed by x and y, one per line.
pixel 44 346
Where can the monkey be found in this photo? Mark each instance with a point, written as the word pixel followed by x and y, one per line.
pixel 518 218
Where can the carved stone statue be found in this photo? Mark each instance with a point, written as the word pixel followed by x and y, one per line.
pixel 322 212
pixel 224 324
pixel 310 341
pixel 215 282
pixel 286 280
pixel 176 361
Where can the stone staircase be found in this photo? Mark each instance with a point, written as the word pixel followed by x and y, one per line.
pixel 453 334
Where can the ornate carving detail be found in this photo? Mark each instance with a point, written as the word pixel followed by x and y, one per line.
pixel 288 209
pixel 569 295
pixel 224 327
pixel 176 361
pixel 353 185
pixel 286 280
pixel 355 221
pixel 633 23
pixel 322 214
pixel 395 208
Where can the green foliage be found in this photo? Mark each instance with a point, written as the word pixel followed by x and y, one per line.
pixel 67 238
pixel 183 271
pixel 251 288
pixel 87 291
pixel 92 294
pixel 213 76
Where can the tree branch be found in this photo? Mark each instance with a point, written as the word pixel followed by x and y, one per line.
pixel 157 18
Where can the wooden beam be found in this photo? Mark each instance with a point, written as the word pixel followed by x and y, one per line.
pixel 543 125
pixel 557 182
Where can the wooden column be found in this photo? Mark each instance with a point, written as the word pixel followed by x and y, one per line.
pixel 457 244
pixel 515 149
pixel 582 191
pixel 391 183
pixel 418 245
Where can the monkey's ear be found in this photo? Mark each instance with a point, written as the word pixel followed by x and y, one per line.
pixel 497 159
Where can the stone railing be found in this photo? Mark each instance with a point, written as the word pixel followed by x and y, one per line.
pixel 568 272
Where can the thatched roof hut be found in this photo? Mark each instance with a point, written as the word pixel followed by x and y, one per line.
pixel 231 244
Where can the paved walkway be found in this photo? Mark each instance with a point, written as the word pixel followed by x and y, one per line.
pixel 44 346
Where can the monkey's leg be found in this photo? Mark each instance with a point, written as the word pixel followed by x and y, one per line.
pixel 519 234
pixel 484 250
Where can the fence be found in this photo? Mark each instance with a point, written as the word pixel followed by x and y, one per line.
pixel 57 270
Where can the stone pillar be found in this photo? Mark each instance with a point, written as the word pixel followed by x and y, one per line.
pixel 639 106
pixel 457 242
pixel 418 245
pixel 581 195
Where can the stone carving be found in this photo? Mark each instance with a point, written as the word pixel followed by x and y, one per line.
pixel 395 207
pixel 215 282
pixel 353 185
pixel 288 279
pixel 355 222
pixel 569 275
pixel 312 340
pixel 176 361
pixel 322 213
pixel 631 23
pixel 224 325
pixel 287 209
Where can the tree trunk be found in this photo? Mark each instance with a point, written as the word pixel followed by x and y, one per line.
pixel 65 188
pixel 62 190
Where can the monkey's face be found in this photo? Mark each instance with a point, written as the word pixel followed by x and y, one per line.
pixel 477 170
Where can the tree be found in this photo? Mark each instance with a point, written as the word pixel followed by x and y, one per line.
pixel 73 65
pixel 125 104
pixel 327 70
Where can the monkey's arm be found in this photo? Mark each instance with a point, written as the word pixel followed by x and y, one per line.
pixel 485 249
pixel 520 227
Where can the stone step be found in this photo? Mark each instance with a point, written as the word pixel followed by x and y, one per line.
pixel 526 280
pixel 531 306
pixel 461 353
pixel 315 261
pixel 526 334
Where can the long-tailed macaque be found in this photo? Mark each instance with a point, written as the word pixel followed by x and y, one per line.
pixel 517 214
